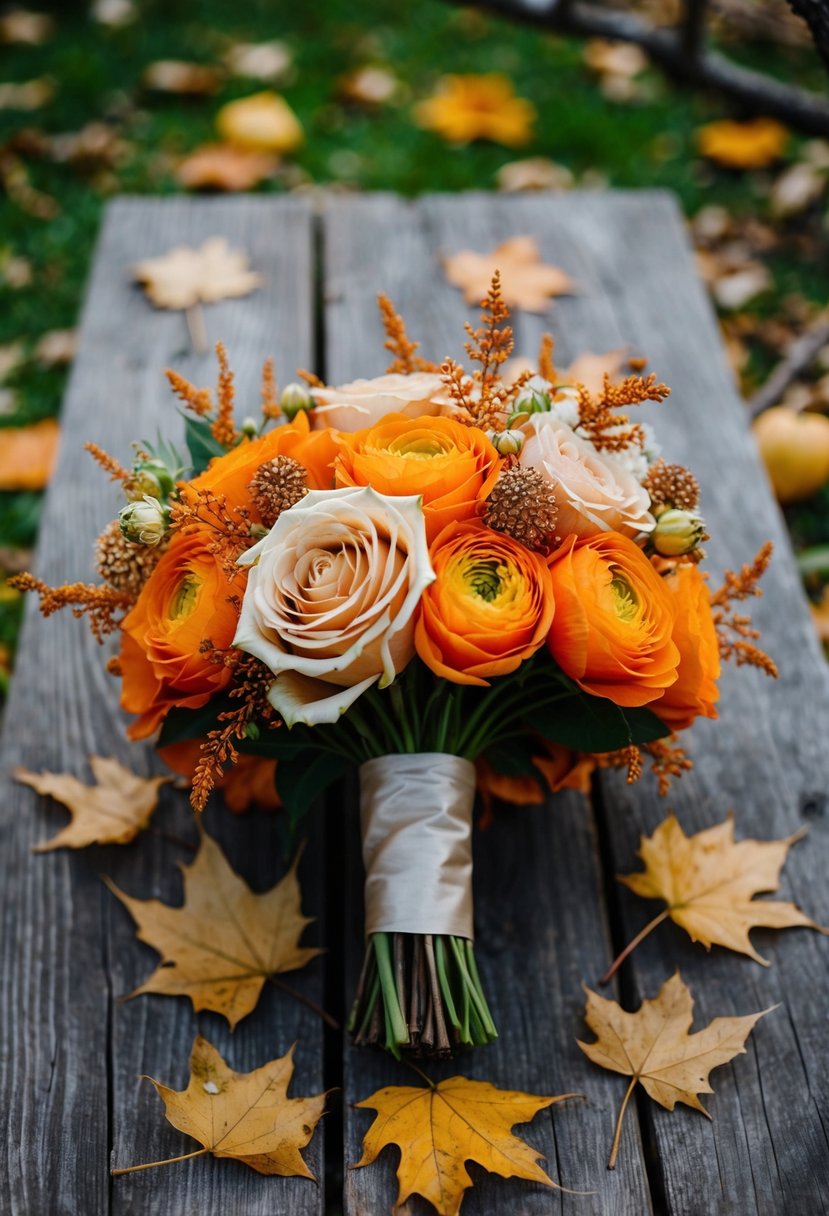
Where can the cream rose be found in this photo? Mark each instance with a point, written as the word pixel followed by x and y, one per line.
pixel 594 491
pixel 360 404
pixel 331 597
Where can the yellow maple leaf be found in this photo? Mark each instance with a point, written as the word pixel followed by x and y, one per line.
pixel 183 277
pixel 28 454
pixel 526 281
pixel 247 1116
pixel 438 1129
pixel 653 1047
pixel 263 122
pixel 221 945
pixel 113 811
pixel 708 882
pixel 743 145
pixel 465 108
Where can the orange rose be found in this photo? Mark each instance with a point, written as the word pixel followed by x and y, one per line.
pixel 231 474
pixel 695 690
pixel 185 600
pixel 490 607
pixel 614 620
pixel 249 782
pixel 450 465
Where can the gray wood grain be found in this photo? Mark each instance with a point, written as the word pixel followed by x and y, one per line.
pixel 539 905
pixel 71 1053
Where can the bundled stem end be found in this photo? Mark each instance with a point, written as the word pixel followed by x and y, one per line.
pixel 422 995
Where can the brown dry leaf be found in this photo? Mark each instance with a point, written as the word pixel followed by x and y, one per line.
pixel 57 348
pixel 95 146
pixel 181 76
pixel 743 145
pixel 221 945
pixel 12 355
pixel 437 1130
pixel 27 455
pixel 271 61
pixel 371 85
pixel 16 271
pixel 533 173
pixel 246 1116
pixel 263 122
pixel 14 177
pixel 709 881
pixel 225 167
pixel 653 1047
pixel 22 26
pixel 113 13
pixel 796 189
pixel 26 95
pixel 526 281
pixel 182 277
pixel 113 811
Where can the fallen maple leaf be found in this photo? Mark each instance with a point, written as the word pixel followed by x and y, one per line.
pixel 535 173
pixel 465 108
pixel 370 85
pixel 743 145
pixel 225 167
pixel 221 945
pixel 653 1047
pixel 247 1116
pixel 260 60
pixel 263 122
pixel 183 276
pixel 28 454
pixel 526 281
pixel 708 882
pixel 113 811
pixel 180 76
pixel 438 1129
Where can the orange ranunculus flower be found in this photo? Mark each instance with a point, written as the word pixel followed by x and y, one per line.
pixel 450 465
pixel 231 474
pixel 695 690
pixel 490 607
pixel 249 782
pixel 185 600
pixel 614 620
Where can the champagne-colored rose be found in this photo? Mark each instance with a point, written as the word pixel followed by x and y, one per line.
pixel 360 404
pixel 594 491
pixel 330 600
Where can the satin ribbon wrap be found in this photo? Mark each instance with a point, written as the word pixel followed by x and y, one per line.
pixel 416 820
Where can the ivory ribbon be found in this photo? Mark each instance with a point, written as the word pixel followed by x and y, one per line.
pixel 416 819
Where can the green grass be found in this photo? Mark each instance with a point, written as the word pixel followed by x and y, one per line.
pixel 97 72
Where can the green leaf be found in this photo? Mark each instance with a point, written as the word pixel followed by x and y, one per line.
pixel 595 724
pixel 200 443
pixel 514 759
pixel 300 779
pixel 814 560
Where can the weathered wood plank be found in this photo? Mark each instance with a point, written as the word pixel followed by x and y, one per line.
pixel 539 904
pixel 71 1054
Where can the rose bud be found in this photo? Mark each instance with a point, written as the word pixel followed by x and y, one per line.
pixel 677 532
pixel 143 522
pixel 295 397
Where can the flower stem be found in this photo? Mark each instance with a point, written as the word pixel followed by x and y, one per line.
pixel 398 1030
pixel 631 946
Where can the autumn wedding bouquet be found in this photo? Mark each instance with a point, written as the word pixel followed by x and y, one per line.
pixel 448 581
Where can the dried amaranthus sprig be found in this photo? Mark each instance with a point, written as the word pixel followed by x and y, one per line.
pixel 231 525
pixel 223 428
pixel 406 360
pixel 270 395
pixel 198 400
pixel 668 761
pixel 607 430
pixel 104 607
pixel 735 632
pixel 108 463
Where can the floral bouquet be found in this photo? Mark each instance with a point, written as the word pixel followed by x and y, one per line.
pixel 449 581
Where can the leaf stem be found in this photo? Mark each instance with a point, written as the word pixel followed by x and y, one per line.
pixel 150 1165
pixel 631 946
pixel 617 1134
pixel 328 1018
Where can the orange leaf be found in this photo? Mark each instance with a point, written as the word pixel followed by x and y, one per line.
pixel 263 122
pixel 743 145
pixel 437 1130
pixel 466 108
pixel 27 455
pixel 526 281
pixel 225 167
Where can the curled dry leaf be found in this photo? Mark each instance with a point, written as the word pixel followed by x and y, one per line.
pixel 260 60
pixel 371 85
pixel 797 189
pixel 526 281
pixel 184 276
pixel 263 122
pixel 653 1047
pixel 113 811
pixel 28 454
pixel 533 173
pixel 221 945
pixel 246 1116
pixel 439 1129
pixel 225 167
pixel 708 882
pixel 57 347
pixel 466 108
pixel 26 95
pixel 179 76
pixel 743 145
pixel 22 26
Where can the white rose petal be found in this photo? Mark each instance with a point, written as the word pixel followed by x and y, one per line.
pixel 364 402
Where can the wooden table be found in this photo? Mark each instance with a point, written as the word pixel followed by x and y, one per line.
pixel 549 913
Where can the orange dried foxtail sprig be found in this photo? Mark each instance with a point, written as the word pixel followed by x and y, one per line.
pixel 490 345
pixel 310 378
pixel 102 606
pixel 231 526
pixel 668 760
pixel 198 400
pixel 608 430
pixel 270 399
pixel 735 633
pixel 108 463
pixel 222 427
pixel 546 363
pixel 406 360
